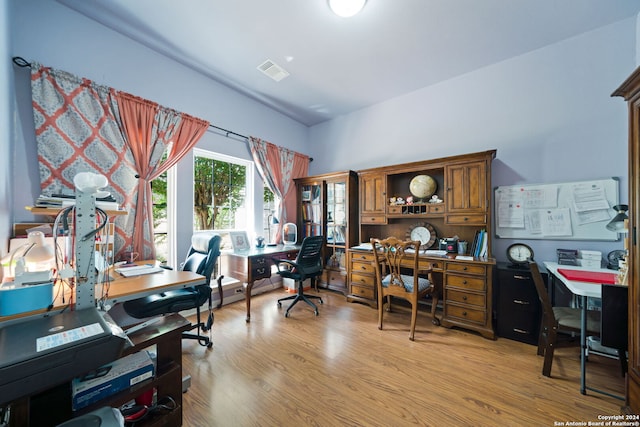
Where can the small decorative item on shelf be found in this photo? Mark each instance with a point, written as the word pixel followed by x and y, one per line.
pixel 422 187
pixel 435 199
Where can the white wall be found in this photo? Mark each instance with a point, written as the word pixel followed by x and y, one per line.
pixel 56 36
pixel 548 113
pixel 6 87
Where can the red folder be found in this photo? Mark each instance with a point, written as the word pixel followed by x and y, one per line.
pixel 589 276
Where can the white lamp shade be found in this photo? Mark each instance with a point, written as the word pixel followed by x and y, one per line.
pixel 89 182
pixel 346 8
pixel 39 251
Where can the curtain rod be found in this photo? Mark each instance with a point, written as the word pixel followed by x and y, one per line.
pixel 228 132
pixel 21 62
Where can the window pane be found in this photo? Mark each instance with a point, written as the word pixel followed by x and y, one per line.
pixel 220 193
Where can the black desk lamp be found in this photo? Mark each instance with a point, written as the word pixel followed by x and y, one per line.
pixel 617 223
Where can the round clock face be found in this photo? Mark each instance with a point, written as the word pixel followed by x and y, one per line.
pixel 424 233
pixel 519 253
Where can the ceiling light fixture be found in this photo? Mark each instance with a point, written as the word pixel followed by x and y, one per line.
pixel 346 8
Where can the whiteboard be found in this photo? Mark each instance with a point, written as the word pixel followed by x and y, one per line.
pixel 558 211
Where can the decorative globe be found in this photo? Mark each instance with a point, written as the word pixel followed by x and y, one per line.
pixel 423 186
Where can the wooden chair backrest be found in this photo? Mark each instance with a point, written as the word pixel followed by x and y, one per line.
pixel 395 257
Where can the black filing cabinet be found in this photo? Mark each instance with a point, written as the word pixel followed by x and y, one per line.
pixel 518 310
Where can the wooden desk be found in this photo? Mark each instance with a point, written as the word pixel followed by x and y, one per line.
pixel 582 290
pixel 254 264
pixel 166 334
pixel 122 289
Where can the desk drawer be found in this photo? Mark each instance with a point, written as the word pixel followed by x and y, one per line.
pixel 363 267
pixel 373 219
pixel 362 279
pixel 362 291
pixel 479 270
pixel 434 265
pixel 465 282
pixel 465 313
pixel 466 298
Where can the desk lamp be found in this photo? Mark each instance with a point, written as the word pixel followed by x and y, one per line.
pixel 271 220
pixel 36 253
pixel 617 224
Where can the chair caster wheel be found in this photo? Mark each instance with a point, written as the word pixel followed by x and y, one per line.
pixel 316 313
pixel 279 304
pixel 436 322
pixel 286 314
pixel 210 345
pixel 321 301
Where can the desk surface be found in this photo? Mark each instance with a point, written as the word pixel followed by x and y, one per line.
pixel 587 289
pixel 126 288
pixel 267 250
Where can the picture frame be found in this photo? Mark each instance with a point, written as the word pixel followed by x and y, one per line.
pixel 239 240
pixel 306 196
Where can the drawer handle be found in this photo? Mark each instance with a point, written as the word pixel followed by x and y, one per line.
pixel 363 268
pixel 464 313
pixel 464 268
pixel 466 219
pixel 464 282
pixel 520 331
pixel 519 277
pixel 260 270
pixel 517 301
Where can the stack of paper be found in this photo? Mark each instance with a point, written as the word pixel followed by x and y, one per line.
pixel 138 270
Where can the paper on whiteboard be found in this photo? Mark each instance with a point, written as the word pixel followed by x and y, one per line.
pixel 556 222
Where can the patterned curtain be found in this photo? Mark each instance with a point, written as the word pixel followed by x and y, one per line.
pixel 278 167
pixel 82 126
pixel 150 132
pixel 76 132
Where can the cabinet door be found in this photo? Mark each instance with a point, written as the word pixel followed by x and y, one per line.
pixel 466 187
pixel 373 194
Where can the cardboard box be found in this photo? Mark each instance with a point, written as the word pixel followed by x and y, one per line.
pixel 291 285
pixel 20 298
pixel 111 378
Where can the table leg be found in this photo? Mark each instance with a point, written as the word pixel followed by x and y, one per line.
pixel 583 345
pixel 247 297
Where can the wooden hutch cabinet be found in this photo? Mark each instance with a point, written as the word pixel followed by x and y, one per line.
pixel 463 183
pixel 630 91
pixel 328 206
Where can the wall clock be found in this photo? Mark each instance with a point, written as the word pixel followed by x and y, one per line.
pixel 519 254
pixel 423 232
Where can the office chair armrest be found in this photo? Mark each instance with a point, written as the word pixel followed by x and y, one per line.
pixel 278 262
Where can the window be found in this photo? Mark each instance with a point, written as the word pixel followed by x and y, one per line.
pixel 163 199
pixel 222 192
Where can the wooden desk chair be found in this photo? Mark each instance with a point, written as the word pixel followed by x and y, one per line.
pixel 560 325
pixel 398 275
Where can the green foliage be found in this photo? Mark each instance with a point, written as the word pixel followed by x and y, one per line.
pixel 219 191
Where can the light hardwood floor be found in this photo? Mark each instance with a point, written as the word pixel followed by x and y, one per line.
pixel 338 369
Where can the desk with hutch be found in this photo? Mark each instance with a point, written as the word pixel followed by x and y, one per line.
pixel 464 185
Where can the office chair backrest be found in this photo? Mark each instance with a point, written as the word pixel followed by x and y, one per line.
pixel 543 295
pixel 309 258
pixel 203 254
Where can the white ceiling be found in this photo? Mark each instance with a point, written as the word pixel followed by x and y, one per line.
pixel 338 65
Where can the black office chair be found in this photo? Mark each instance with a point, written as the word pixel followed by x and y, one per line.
pixel 308 265
pixel 202 257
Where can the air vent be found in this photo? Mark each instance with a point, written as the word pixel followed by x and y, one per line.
pixel 273 70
